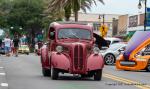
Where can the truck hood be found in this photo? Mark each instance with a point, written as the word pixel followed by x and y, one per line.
pixel 69 43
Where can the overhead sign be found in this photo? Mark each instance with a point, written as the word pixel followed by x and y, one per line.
pixel 148 17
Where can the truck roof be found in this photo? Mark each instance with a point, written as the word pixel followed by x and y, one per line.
pixel 72 25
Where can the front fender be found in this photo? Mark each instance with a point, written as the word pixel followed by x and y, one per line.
pixel 95 62
pixel 44 58
pixel 60 61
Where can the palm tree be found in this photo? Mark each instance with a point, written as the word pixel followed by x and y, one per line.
pixel 75 5
pixel 67 11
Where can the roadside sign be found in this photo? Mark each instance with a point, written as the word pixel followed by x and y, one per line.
pixel 148 17
pixel 103 30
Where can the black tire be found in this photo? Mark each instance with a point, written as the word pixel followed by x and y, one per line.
pixel 109 59
pixel 98 75
pixel 46 72
pixel 83 76
pixel 27 53
pixel 55 74
pixel 148 66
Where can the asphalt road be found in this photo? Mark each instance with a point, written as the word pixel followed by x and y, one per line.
pixel 24 72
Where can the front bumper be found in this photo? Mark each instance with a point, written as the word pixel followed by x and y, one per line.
pixel 131 65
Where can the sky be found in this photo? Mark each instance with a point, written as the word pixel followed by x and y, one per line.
pixel 118 7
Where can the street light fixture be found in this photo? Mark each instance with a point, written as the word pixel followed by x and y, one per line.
pixel 20 28
pixel 140 6
pixel 11 27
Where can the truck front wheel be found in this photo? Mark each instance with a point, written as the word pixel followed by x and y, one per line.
pixel 98 75
pixel 148 66
pixel 55 74
pixel 46 72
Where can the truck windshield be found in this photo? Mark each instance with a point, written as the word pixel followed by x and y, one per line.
pixel 74 33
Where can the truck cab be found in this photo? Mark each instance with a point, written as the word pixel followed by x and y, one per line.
pixel 70 49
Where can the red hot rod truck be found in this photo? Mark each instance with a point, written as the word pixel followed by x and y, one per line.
pixel 70 49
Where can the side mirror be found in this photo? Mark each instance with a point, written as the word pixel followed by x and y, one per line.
pixel 121 51
pixel 52 35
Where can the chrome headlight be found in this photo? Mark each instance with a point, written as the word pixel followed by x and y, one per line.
pixel 96 50
pixel 59 49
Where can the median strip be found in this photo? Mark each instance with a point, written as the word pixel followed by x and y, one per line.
pixel 127 81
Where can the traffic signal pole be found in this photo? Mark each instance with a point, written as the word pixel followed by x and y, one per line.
pixel 145 20
pixel 103 19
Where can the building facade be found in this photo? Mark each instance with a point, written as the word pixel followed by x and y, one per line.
pixel 122 24
pixel 97 20
pixel 128 24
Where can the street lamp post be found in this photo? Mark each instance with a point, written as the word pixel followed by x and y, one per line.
pixel 140 6
pixel 103 19
pixel 99 20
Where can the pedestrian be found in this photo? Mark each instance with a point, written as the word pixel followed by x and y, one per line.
pixel 7 43
pixel 1 45
pixel 16 42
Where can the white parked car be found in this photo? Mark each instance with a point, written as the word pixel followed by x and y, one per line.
pixel 113 52
pixel 112 40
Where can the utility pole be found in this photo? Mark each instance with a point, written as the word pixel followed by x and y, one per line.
pixel 145 20
pixel 140 6
pixel 103 19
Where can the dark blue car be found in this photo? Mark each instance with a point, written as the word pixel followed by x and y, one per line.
pixel 2 49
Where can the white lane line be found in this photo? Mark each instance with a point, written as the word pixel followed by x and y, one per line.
pixel 4 84
pixel 2 74
pixel 1 67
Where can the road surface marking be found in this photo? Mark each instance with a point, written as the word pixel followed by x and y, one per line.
pixel 1 67
pixel 2 74
pixel 4 84
pixel 127 81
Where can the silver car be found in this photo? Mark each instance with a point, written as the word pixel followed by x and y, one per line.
pixel 113 52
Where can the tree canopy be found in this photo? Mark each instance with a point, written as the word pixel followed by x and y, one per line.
pixel 73 5
pixel 23 15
